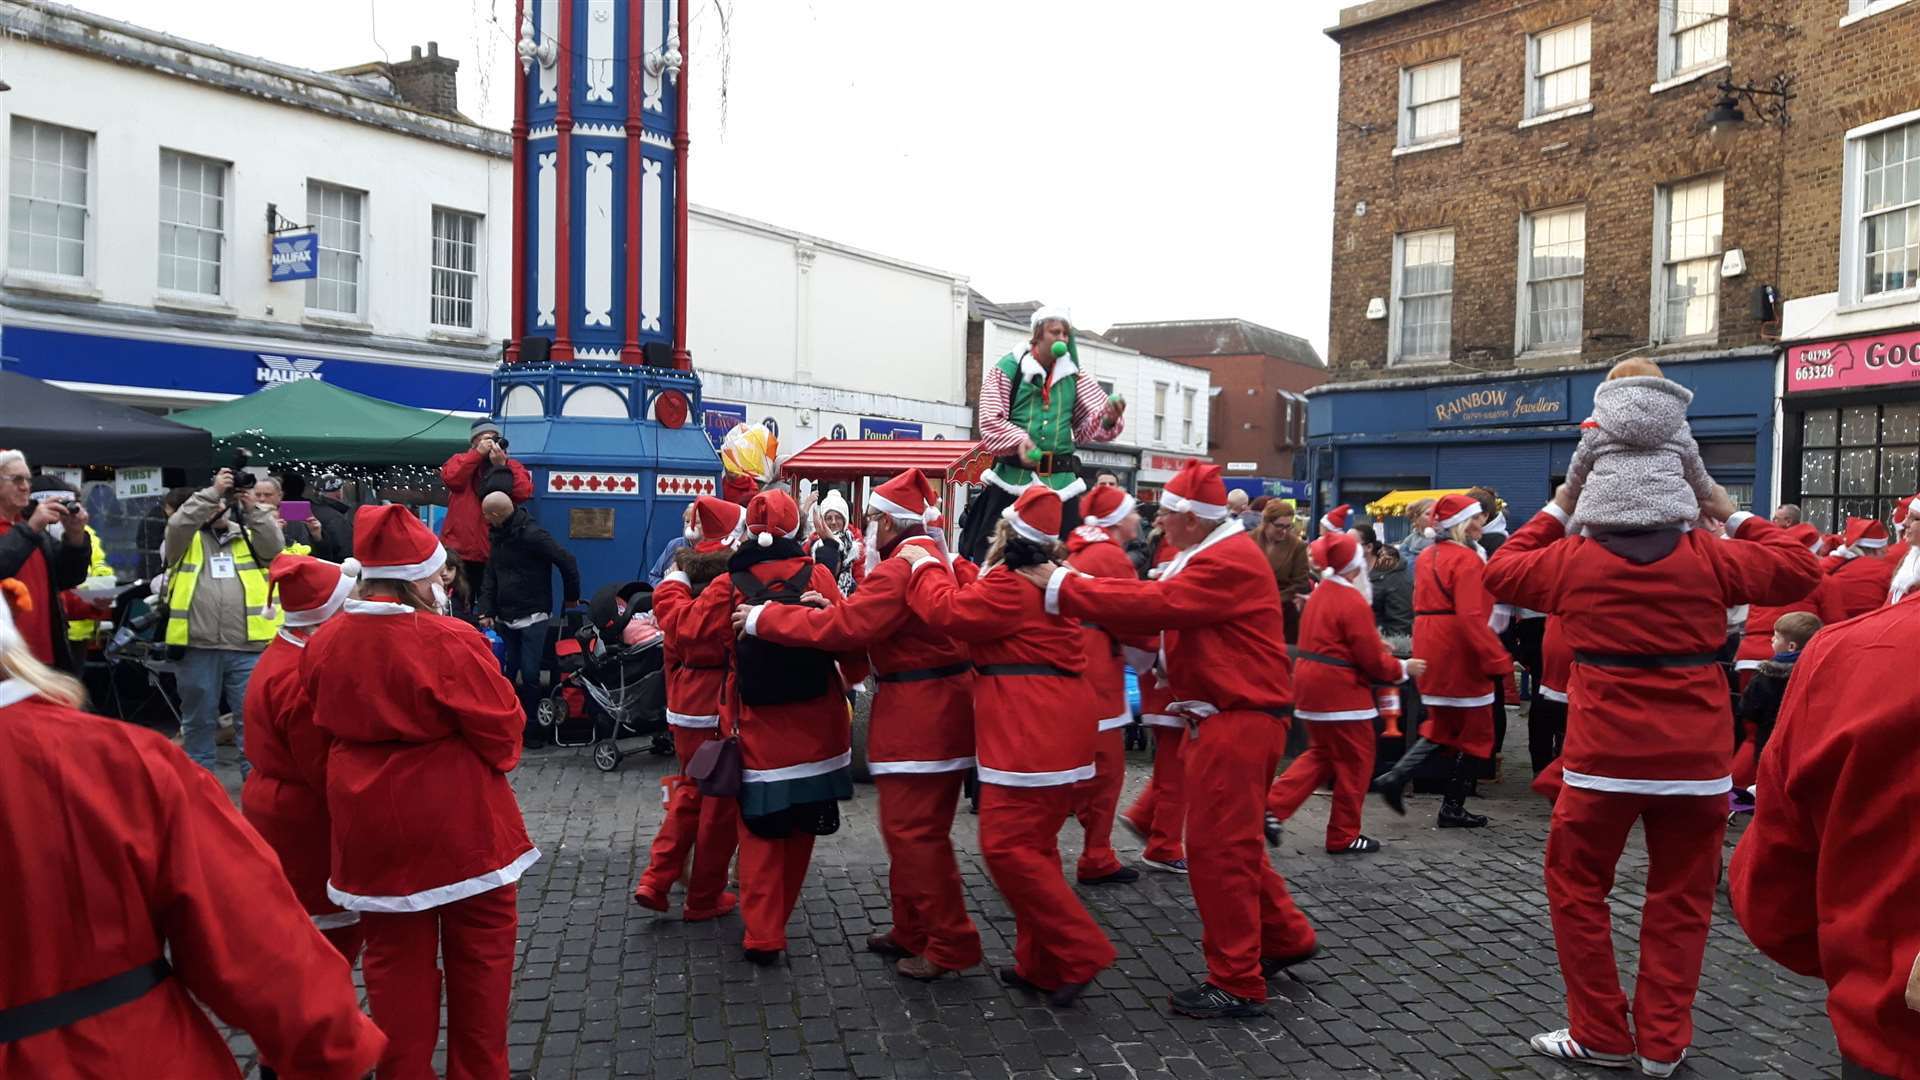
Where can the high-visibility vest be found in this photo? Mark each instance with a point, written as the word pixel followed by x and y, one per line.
pixel 261 625
pixel 84 629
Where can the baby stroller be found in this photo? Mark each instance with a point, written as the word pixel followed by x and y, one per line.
pixel 607 690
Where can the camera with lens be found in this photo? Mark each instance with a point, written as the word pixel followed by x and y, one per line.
pixel 242 479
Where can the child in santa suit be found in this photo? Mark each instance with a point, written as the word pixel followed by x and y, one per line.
pixel 696 668
pixel 1034 720
pixel 138 896
pixel 285 796
pixel 1339 661
pixel 1098 547
pixel 1451 633
pixel 920 740
pixel 795 746
pixel 1226 654
pixel 1648 740
pixel 428 840
pixel 1158 815
pixel 1859 577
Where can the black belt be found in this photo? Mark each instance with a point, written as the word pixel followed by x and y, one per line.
pixel 1448 611
pixel 684 666
pixel 1330 661
pixel 73 1006
pixel 1048 464
pixel 1645 660
pixel 1024 669
pixel 926 673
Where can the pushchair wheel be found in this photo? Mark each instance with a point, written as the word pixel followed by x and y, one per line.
pixel 551 710
pixel 606 755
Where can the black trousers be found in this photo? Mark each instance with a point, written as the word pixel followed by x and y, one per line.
pixel 1546 730
pixel 983 515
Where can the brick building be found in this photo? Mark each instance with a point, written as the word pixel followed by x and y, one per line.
pixel 1260 377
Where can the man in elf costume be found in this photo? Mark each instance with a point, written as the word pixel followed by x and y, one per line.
pixel 1035 407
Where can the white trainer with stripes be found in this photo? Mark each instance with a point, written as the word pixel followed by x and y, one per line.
pixel 1560 1044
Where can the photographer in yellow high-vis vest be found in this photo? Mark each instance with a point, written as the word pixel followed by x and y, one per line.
pixel 217 550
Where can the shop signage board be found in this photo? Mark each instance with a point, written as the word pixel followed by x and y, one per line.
pixel 293 256
pixel 1533 401
pixel 720 418
pixel 1873 360
pixel 889 429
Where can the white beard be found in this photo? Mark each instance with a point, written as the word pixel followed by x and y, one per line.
pixel 440 601
pixel 871 558
pixel 1364 582
pixel 1906 577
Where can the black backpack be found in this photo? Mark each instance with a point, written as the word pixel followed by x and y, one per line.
pixel 771 674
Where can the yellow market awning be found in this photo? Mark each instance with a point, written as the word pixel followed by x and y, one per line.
pixel 1395 503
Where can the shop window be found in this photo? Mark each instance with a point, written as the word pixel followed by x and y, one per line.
pixel 1857 461
pixel 1880 230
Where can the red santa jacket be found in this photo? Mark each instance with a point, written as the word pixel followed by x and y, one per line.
pixel 465 529
pixel 1825 878
pixel 1451 607
pixel 135 850
pixel 285 796
pixel 696 664
pixel 1649 730
pixel 923 710
pixel 425 730
pixel 1859 585
pixel 1033 708
pixel 1156 693
pixel 1556 661
pixel 1224 645
pixel 1756 647
pixel 1092 551
pixel 1338 626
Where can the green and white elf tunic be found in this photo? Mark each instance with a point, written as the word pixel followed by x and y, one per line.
pixel 1057 410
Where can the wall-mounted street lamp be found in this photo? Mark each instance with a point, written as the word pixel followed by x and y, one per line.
pixel 666 61
pixel 1726 119
pixel 532 49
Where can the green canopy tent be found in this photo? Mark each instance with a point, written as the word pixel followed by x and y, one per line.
pixel 312 421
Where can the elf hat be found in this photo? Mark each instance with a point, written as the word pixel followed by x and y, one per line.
pixel 908 498
pixel 1105 506
pixel 1335 553
pixel 718 522
pixel 1198 490
pixel 1865 533
pixel 1335 520
pixel 772 513
pixel 1455 510
pixel 1036 514
pixel 390 543
pixel 310 590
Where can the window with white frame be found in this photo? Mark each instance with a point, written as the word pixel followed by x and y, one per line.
pixel 193 222
pixel 1559 68
pixel 49 196
pixel 1693 36
pixel 1887 233
pixel 456 267
pixel 1430 102
pixel 339 215
pixel 1688 245
pixel 1160 412
pixel 1188 395
pixel 1553 262
pixel 1422 296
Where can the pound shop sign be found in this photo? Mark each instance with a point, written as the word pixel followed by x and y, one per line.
pixel 1532 402
pixel 1861 361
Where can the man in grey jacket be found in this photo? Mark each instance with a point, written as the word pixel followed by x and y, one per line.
pixel 217 549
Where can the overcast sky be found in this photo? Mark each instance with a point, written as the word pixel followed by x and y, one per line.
pixel 1133 160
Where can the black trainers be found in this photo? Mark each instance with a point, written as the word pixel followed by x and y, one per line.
pixel 1361 845
pixel 762 957
pixel 1208 1002
pixel 1012 977
pixel 1272 828
pixel 1126 875
pixel 1455 816
pixel 1392 792
pixel 1274 965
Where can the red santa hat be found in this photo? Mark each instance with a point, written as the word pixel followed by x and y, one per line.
pixel 772 513
pixel 907 498
pixel 1865 533
pixel 718 523
pixel 1901 509
pixel 309 590
pixel 1198 490
pixel 1105 506
pixel 1335 520
pixel 1336 553
pixel 1454 510
pixel 1831 542
pixel 1036 514
pixel 1807 537
pixel 390 542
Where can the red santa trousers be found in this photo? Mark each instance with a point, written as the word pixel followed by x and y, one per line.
pixel 347 940
pixel 1245 910
pixel 709 827
pixel 771 874
pixel 929 908
pixel 1683 835
pixel 1341 752
pixel 1160 812
pixel 1057 943
pixel 475 939
pixel 1096 801
pixel 1467 729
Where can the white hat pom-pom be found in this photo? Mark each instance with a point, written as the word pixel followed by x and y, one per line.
pixel 766 539
pixel 350 567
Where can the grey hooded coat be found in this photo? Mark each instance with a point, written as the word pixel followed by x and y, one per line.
pixel 1637 466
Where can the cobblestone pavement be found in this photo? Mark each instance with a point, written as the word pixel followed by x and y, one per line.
pixel 1437 961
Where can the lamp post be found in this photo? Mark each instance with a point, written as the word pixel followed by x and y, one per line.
pixel 1725 119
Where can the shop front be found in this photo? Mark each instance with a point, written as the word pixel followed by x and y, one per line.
pixel 1156 470
pixel 1123 464
pixel 1851 426
pixel 1516 433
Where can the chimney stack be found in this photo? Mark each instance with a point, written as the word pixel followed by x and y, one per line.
pixel 427 82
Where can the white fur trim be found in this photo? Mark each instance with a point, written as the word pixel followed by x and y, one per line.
pixel 879 502
pixel 1036 779
pixel 686 720
pixel 1049 313
pixel 1739 518
pixel 336 920
pixel 764 539
pixel 798 772
pixel 1121 720
pixel 1458 519
pixel 406 571
pixel 316 616
pixel 752 627
pixel 1870 542
pixel 1126 507
pixel 1060 574
pixel 1747 665
pixel 1551 694
pixel 1137 659
pixel 439 896
pixel 1225 530
pixel 1162 720
pixel 676 577
pixel 918 768
pixel 1179 504
pixel 1342 715
pixel 376 607
pixel 1629 786
pixel 1025 530
pixel 1552 510
pixel 1457 702
pixel 1358 561
pixel 14 691
pixel 291 639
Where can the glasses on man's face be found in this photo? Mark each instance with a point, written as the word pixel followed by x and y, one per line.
pixel 23 480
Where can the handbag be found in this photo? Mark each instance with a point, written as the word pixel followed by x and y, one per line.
pixel 716 768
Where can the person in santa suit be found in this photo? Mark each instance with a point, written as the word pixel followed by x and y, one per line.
pixel 1815 881
pixel 1906 573
pixel 1034 726
pixel 696 669
pixel 1756 648
pixel 1158 815
pixel 1226 655
pixel 1340 659
pixel 1858 579
pixel 147 898
pixel 788 709
pixel 428 840
pixel 1108 521
pixel 1648 740
pixel 920 740
pixel 1547 715
pixel 1451 632
pixel 285 796
pixel 1903 525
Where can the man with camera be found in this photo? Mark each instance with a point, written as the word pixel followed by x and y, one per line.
pixel 46 560
pixel 217 550
pixel 480 470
